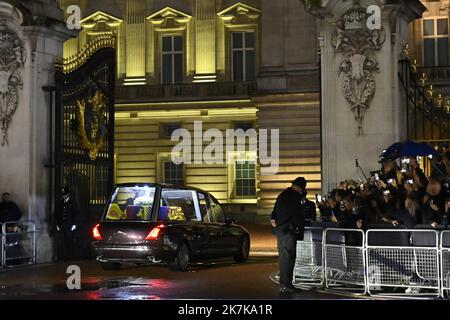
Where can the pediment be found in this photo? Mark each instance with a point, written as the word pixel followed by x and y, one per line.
pixel 240 13
pixel 100 17
pixel 168 14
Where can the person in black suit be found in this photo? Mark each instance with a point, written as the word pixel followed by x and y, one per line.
pixel 288 220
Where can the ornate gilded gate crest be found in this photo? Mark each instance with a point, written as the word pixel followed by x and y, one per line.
pixel 92 128
pixel 12 57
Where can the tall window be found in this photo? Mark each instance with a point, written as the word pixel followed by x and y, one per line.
pixel 167 129
pixel 245 178
pixel 173 173
pixel 435 42
pixel 243 55
pixel 172 59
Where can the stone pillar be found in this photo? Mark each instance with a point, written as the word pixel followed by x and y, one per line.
pixel 134 39
pixel 205 38
pixel 29 47
pixel 362 108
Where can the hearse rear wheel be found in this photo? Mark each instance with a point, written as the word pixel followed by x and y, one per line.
pixel 181 261
pixel 111 265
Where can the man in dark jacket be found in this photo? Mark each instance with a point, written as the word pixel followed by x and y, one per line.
pixel 288 219
pixel 9 211
pixel 66 225
pixel 433 203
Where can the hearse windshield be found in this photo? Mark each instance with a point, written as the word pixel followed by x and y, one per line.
pixel 131 204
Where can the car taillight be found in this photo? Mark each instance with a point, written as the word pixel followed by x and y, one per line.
pixel 154 233
pixel 96 233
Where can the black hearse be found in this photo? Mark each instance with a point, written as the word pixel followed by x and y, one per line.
pixel 153 223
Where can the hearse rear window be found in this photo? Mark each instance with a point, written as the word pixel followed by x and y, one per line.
pixel 131 204
pixel 179 205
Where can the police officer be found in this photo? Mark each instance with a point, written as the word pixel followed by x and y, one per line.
pixel 66 225
pixel 288 220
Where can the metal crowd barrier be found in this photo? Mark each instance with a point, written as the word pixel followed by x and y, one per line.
pixel 402 262
pixel 308 267
pixel 378 262
pixel 445 263
pixel 18 243
pixel 345 264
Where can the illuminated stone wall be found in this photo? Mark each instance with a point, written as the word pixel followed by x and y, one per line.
pixel 286 64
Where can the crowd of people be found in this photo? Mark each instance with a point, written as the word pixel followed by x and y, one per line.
pixel 397 194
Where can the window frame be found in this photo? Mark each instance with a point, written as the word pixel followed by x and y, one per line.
pixel 244 50
pixel 113 197
pixel 195 200
pixel 164 125
pixel 208 206
pixel 173 52
pixel 236 125
pixel 435 37
pixel 163 167
pixel 235 194
pixel 212 199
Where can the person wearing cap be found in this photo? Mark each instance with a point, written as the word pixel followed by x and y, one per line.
pixel 288 220
pixel 66 224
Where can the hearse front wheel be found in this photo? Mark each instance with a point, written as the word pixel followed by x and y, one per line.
pixel 181 260
pixel 244 250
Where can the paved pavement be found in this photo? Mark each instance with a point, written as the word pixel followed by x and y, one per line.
pixel 222 279
pixel 262 238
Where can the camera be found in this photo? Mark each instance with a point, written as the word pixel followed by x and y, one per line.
pixel 319 198
pixel 391 181
pixel 405 165
pixel 377 176
pixel 386 192
pixel 410 181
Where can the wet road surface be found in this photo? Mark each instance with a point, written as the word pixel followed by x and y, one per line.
pixel 213 280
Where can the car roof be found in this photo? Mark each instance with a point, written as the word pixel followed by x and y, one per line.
pixel 161 185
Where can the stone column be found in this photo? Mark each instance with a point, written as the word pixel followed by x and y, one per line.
pixel 205 38
pixel 362 108
pixel 29 46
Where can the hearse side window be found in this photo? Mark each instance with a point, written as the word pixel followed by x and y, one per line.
pixel 204 206
pixel 217 213
pixel 131 204
pixel 178 205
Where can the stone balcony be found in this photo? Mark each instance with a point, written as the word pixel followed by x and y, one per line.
pixel 268 82
pixel 185 92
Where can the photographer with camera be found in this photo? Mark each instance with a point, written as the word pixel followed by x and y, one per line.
pixel 288 220
pixel 433 203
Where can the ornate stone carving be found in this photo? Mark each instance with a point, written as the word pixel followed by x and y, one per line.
pixel 358 44
pixel 12 57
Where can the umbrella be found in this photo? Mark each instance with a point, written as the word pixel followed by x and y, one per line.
pixel 409 149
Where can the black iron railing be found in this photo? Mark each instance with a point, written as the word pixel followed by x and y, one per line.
pixel 427 111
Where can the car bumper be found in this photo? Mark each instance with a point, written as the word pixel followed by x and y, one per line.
pixel 140 253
